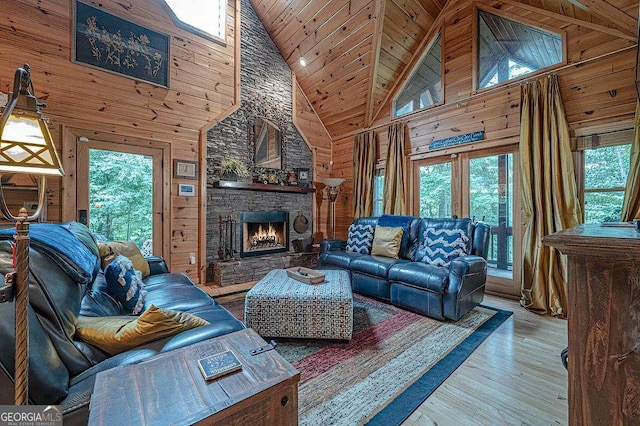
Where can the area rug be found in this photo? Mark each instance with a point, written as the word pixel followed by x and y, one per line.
pixel 394 361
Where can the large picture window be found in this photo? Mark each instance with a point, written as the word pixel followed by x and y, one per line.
pixel 508 49
pixel 424 87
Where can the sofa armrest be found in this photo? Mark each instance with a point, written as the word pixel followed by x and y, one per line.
pixel 157 265
pixel 465 265
pixel 329 245
pixel 467 278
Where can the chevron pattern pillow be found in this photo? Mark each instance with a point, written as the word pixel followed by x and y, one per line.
pixel 441 246
pixel 360 239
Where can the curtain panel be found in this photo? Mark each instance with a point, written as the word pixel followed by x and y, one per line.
pixel 395 172
pixel 364 170
pixel 631 203
pixel 549 196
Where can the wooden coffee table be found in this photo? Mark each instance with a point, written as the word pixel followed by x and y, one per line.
pixel 169 388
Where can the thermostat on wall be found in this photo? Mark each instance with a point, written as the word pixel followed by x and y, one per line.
pixel 186 190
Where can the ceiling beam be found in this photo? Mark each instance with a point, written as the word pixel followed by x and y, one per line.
pixel 627 35
pixel 378 25
pixel 608 12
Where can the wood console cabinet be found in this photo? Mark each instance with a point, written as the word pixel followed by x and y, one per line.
pixel 603 323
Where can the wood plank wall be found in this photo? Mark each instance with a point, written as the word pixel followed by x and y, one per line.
pixel 317 138
pixel 598 94
pixel 203 86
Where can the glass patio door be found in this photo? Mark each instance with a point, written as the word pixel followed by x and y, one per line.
pixel 119 199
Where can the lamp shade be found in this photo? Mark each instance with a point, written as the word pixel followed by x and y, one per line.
pixel 26 145
pixel 332 182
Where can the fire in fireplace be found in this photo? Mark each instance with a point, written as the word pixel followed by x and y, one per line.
pixel 264 232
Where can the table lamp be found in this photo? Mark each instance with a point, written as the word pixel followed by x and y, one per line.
pixel 25 147
pixel 333 189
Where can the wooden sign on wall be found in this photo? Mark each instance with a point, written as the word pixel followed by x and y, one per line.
pixel 111 43
pixel 457 140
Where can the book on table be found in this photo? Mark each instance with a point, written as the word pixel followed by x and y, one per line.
pixel 219 364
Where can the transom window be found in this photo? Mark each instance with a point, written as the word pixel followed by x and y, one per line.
pixel 508 49
pixel 204 17
pixel 424 87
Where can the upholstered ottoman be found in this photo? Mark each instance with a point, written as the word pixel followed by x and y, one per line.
pixel 279 306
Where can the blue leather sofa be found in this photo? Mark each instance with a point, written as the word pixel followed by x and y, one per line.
pixel 441 292
pixel 66 281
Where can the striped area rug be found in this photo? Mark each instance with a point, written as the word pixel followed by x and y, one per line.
pixel 394 361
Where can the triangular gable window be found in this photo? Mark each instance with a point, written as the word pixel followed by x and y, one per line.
pixel 204 17
pixel 424 88
pixel 509 49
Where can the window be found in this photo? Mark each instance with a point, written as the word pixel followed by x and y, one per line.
pixel 435 190
pixel 424 87
pixel 204 17
pixel 605 178
pixel 491 201
pixel 509 49
pixel 378 190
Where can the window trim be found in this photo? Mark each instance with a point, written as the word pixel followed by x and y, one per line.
pixel 416 65
pixel 197 31
pixel 520 20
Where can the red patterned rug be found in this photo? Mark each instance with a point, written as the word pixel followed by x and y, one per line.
pixel 393 362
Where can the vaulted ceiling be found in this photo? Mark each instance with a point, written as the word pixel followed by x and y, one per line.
pixel 357 50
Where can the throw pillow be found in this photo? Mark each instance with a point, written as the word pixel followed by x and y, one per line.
pixel 387 241
pixel 118 334
pixel 124 284
pixel 441 246
pixel 110 250
pixel 360 239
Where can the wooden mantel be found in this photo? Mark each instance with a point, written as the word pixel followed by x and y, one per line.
pixel 603 323
pixel 225 184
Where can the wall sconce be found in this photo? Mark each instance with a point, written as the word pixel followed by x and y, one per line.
pixel 333 189
pixel 26 146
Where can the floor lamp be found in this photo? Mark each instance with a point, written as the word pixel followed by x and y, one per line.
pixel 333 189
pixel 25 147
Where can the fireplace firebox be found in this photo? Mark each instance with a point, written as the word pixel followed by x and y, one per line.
pixel 264 232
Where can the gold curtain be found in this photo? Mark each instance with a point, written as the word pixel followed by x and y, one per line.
pixel 631 204
pixel 364 170
pixel 395 173
pixel 549 196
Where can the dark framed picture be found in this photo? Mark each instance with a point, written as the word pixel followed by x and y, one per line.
pixel 303 176
pixel 105 41
pixel 185 169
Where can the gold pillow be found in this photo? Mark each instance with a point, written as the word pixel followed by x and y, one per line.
pixel 118 334
pixel 386 241
pixel 109 251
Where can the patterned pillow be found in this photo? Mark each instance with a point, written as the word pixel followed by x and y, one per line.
pixel 360 239
pixel 441 246
pixel 125 285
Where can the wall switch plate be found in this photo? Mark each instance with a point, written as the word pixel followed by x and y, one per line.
pixel 192 258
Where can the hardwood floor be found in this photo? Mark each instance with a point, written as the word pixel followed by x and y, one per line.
pixel 514 378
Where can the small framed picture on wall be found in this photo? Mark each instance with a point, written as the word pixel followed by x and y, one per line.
pixel 303 176
pixel 185 169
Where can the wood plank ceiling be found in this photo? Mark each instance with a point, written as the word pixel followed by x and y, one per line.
pixel 356 50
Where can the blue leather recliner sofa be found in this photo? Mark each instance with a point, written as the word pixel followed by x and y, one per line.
pixel 411 281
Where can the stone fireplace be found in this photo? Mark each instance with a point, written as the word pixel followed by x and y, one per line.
pixel 266 93
pixel 264 232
